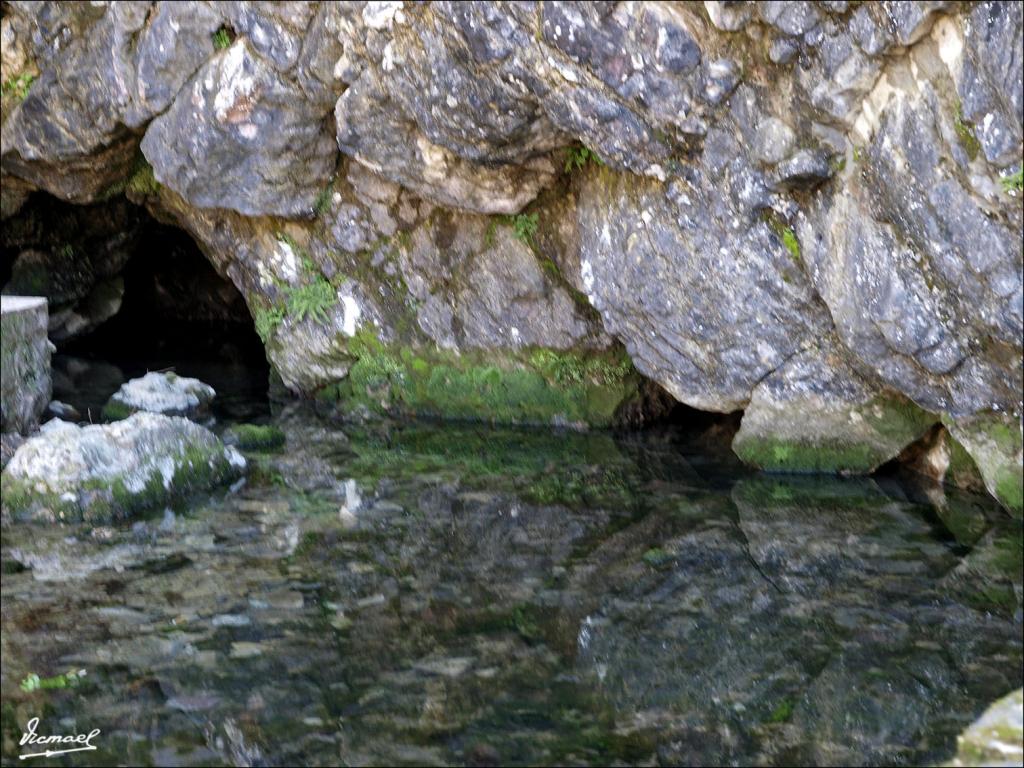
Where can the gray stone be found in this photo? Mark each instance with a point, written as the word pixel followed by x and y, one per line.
pixel 807 168
pixel 24 362
pixel 774 140
pixel 706 301
pixel 165 393
pixel 996 737
pixel 816 413
pixel 269 146
pixel 99 472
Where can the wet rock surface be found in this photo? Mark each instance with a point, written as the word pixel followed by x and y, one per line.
pixel 100 472
pixel 716 187
pixel 459 595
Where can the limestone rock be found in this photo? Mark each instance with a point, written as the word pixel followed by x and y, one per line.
pixel 996 737
pixel 994 443
pixel 165 393
pixel 705 296
pixel 816 413
pixel 100 472
pixel 718 187
pixel 239 116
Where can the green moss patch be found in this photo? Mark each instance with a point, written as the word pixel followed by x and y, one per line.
pixel 965 133
pixel 894 423
pixel 260 437
pixel 105 500
pixel 115 410
pixel 993 441
pixel 537 386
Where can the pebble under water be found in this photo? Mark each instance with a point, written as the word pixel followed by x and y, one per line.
pixel 428 594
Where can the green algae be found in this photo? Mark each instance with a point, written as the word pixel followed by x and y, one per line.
pixel 965 133
pixel 895 422
pixel 782 713
pixel 255 436
pixel 535 386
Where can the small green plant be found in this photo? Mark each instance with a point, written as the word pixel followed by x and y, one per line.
pixel 792 244
pixel 312 300
pixel 66 251
pixel 34 682
pixel 782 713
pixel 858 154
pixel 657 557
pixel 577 157
pixel 1014 182
pixel 525 226
pixel 266 320
pixel 965 133
pixel 221 39
pixel 142 181
pixel 785 233
pixel 322 204
pixel 18 86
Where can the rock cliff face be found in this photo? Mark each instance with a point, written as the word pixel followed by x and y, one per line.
pixel 519 211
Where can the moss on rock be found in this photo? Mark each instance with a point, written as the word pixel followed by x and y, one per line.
pixel 538 386
pixel 833 443
pixel 994 442
pixel 254 436
pixel 104 472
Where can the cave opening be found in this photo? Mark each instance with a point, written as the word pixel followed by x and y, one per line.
pixel 129 294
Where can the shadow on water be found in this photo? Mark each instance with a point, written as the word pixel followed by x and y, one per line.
pixel 427 594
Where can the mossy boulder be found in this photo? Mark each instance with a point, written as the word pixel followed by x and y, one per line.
pixel 109 471
pixel 817 414
pixel 994 442
pixel 995 738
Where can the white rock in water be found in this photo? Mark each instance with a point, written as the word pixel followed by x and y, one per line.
pixel 165 393
pixel 70 472
pixel 995 738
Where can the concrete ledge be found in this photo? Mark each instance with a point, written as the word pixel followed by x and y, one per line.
pixel 25 385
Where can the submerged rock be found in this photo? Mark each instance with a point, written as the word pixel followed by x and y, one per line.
pixel 165 393
pixel 99 472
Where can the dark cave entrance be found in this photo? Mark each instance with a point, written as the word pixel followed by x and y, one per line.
pixel 171 309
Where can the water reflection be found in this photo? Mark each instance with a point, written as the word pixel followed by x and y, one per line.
pixel 432 595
